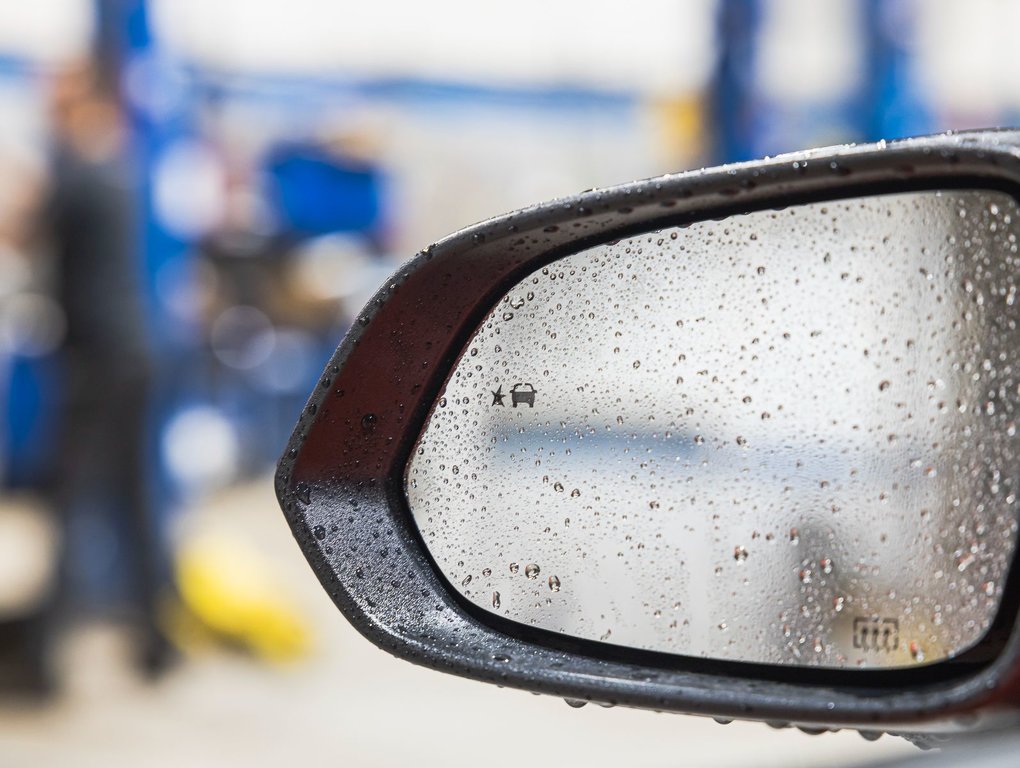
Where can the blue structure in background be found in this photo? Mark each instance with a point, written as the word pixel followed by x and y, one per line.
pixel 30 420
pixel 734 110
pixel 312 193
pixel 895 105
pixel 887 105
pixel 315 193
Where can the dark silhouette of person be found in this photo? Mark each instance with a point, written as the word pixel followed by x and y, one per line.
pixel 90 219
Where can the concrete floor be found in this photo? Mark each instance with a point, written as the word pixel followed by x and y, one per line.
pixel 349 704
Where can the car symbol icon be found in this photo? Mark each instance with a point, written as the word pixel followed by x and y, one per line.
pixel 522 393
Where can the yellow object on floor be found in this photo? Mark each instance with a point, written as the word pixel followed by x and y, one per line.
pixel 228 595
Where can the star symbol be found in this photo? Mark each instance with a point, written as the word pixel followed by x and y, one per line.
pixel 497 396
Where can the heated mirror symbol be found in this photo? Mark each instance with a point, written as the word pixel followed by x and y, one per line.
pixel 872 634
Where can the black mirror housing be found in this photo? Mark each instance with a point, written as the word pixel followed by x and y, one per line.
pixel 340 481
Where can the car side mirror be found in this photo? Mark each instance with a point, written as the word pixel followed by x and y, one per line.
pixel 739 442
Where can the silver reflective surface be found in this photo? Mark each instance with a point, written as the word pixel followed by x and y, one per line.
pixel 787 437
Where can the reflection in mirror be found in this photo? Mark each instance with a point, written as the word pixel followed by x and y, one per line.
pixel 787 437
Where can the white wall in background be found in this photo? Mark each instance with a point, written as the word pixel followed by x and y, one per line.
pixel 656 46
pixel 46 31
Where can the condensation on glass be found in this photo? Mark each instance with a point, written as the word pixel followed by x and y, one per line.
pixel 788 437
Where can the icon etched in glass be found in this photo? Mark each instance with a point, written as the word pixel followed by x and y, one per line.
pixel 497 396
pixel 522 393
pixel 875 634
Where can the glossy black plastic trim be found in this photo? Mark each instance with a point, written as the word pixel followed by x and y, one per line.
pixel 340 481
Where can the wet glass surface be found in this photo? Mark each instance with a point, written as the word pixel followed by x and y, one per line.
pixel 787 437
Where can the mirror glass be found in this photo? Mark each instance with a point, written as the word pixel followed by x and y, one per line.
pixel 787 437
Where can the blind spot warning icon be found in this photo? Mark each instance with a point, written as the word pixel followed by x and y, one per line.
pixel 522 393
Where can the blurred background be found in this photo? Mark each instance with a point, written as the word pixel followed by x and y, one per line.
pixel 197 196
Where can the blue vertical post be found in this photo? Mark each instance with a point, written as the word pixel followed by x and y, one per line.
pixel 733 106
pixel 157 104
pixel 887 104
pixel 894 103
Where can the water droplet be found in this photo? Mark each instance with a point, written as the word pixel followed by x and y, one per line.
pixel 531 570
pixel 554 583
pixel 558 487
pixel 495 599
pixel 916 651
pixel 884 385
pixel 739 554
pixel 804 575
pixel 319 532
pixel 794 536
pixel 466 580
pixel 837 603
pixel 514 567
pixel 575 493
pixel 826 564
pixel 486 572
pixel 636 364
